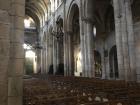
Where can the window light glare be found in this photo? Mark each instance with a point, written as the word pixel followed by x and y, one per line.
pixel 94 31
pixel 30 54
pixel 27 23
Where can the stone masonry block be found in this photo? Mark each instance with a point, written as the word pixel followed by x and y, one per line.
pixel 15 101
pixel 4 31
pixel 16 50
pixel 17 36
pixel 3 75
pixel 22 2
pixel 18 9
pixel 16 67
pixel 4 47
pixel 5 4
pixel 15 85
pixel 18 22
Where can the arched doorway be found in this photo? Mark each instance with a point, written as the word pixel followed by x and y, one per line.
pixel 98 66
pixel 113 61
pixel 75 50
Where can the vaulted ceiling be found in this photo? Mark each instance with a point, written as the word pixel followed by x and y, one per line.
pixel 37 9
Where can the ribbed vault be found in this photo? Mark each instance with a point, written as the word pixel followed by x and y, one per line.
pixel 37 9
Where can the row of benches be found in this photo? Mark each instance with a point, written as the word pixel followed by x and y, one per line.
pixel 59 90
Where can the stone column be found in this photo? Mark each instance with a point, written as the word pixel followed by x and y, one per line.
pixel 57 52
pixel 90 50
pixel 4 55
pixel 131 43
pixel 103 62
pixel 70 55
pixel 50 51
pixel 44 59
pixel 46 62
pixel 125 40
pixel 118 31
pixel 82 35
pixel 47 53
pixel 15 79
pixel 85 50
pixel 38 53
pixel 82 49
pixel 89 38
pixel 65 41
pixel 65 55
pixel 42 69
pixel 54 55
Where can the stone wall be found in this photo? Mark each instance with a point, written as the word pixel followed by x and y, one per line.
pixel 4 55
pixel 137 45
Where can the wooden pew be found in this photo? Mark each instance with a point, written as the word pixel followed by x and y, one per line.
pixel 59 90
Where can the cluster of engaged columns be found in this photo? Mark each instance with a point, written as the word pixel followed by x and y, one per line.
pixel 49 52
pixel 125 39
pixel 87 39
pixel 69 69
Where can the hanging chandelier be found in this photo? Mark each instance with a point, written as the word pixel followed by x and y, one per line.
pixel 58 34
